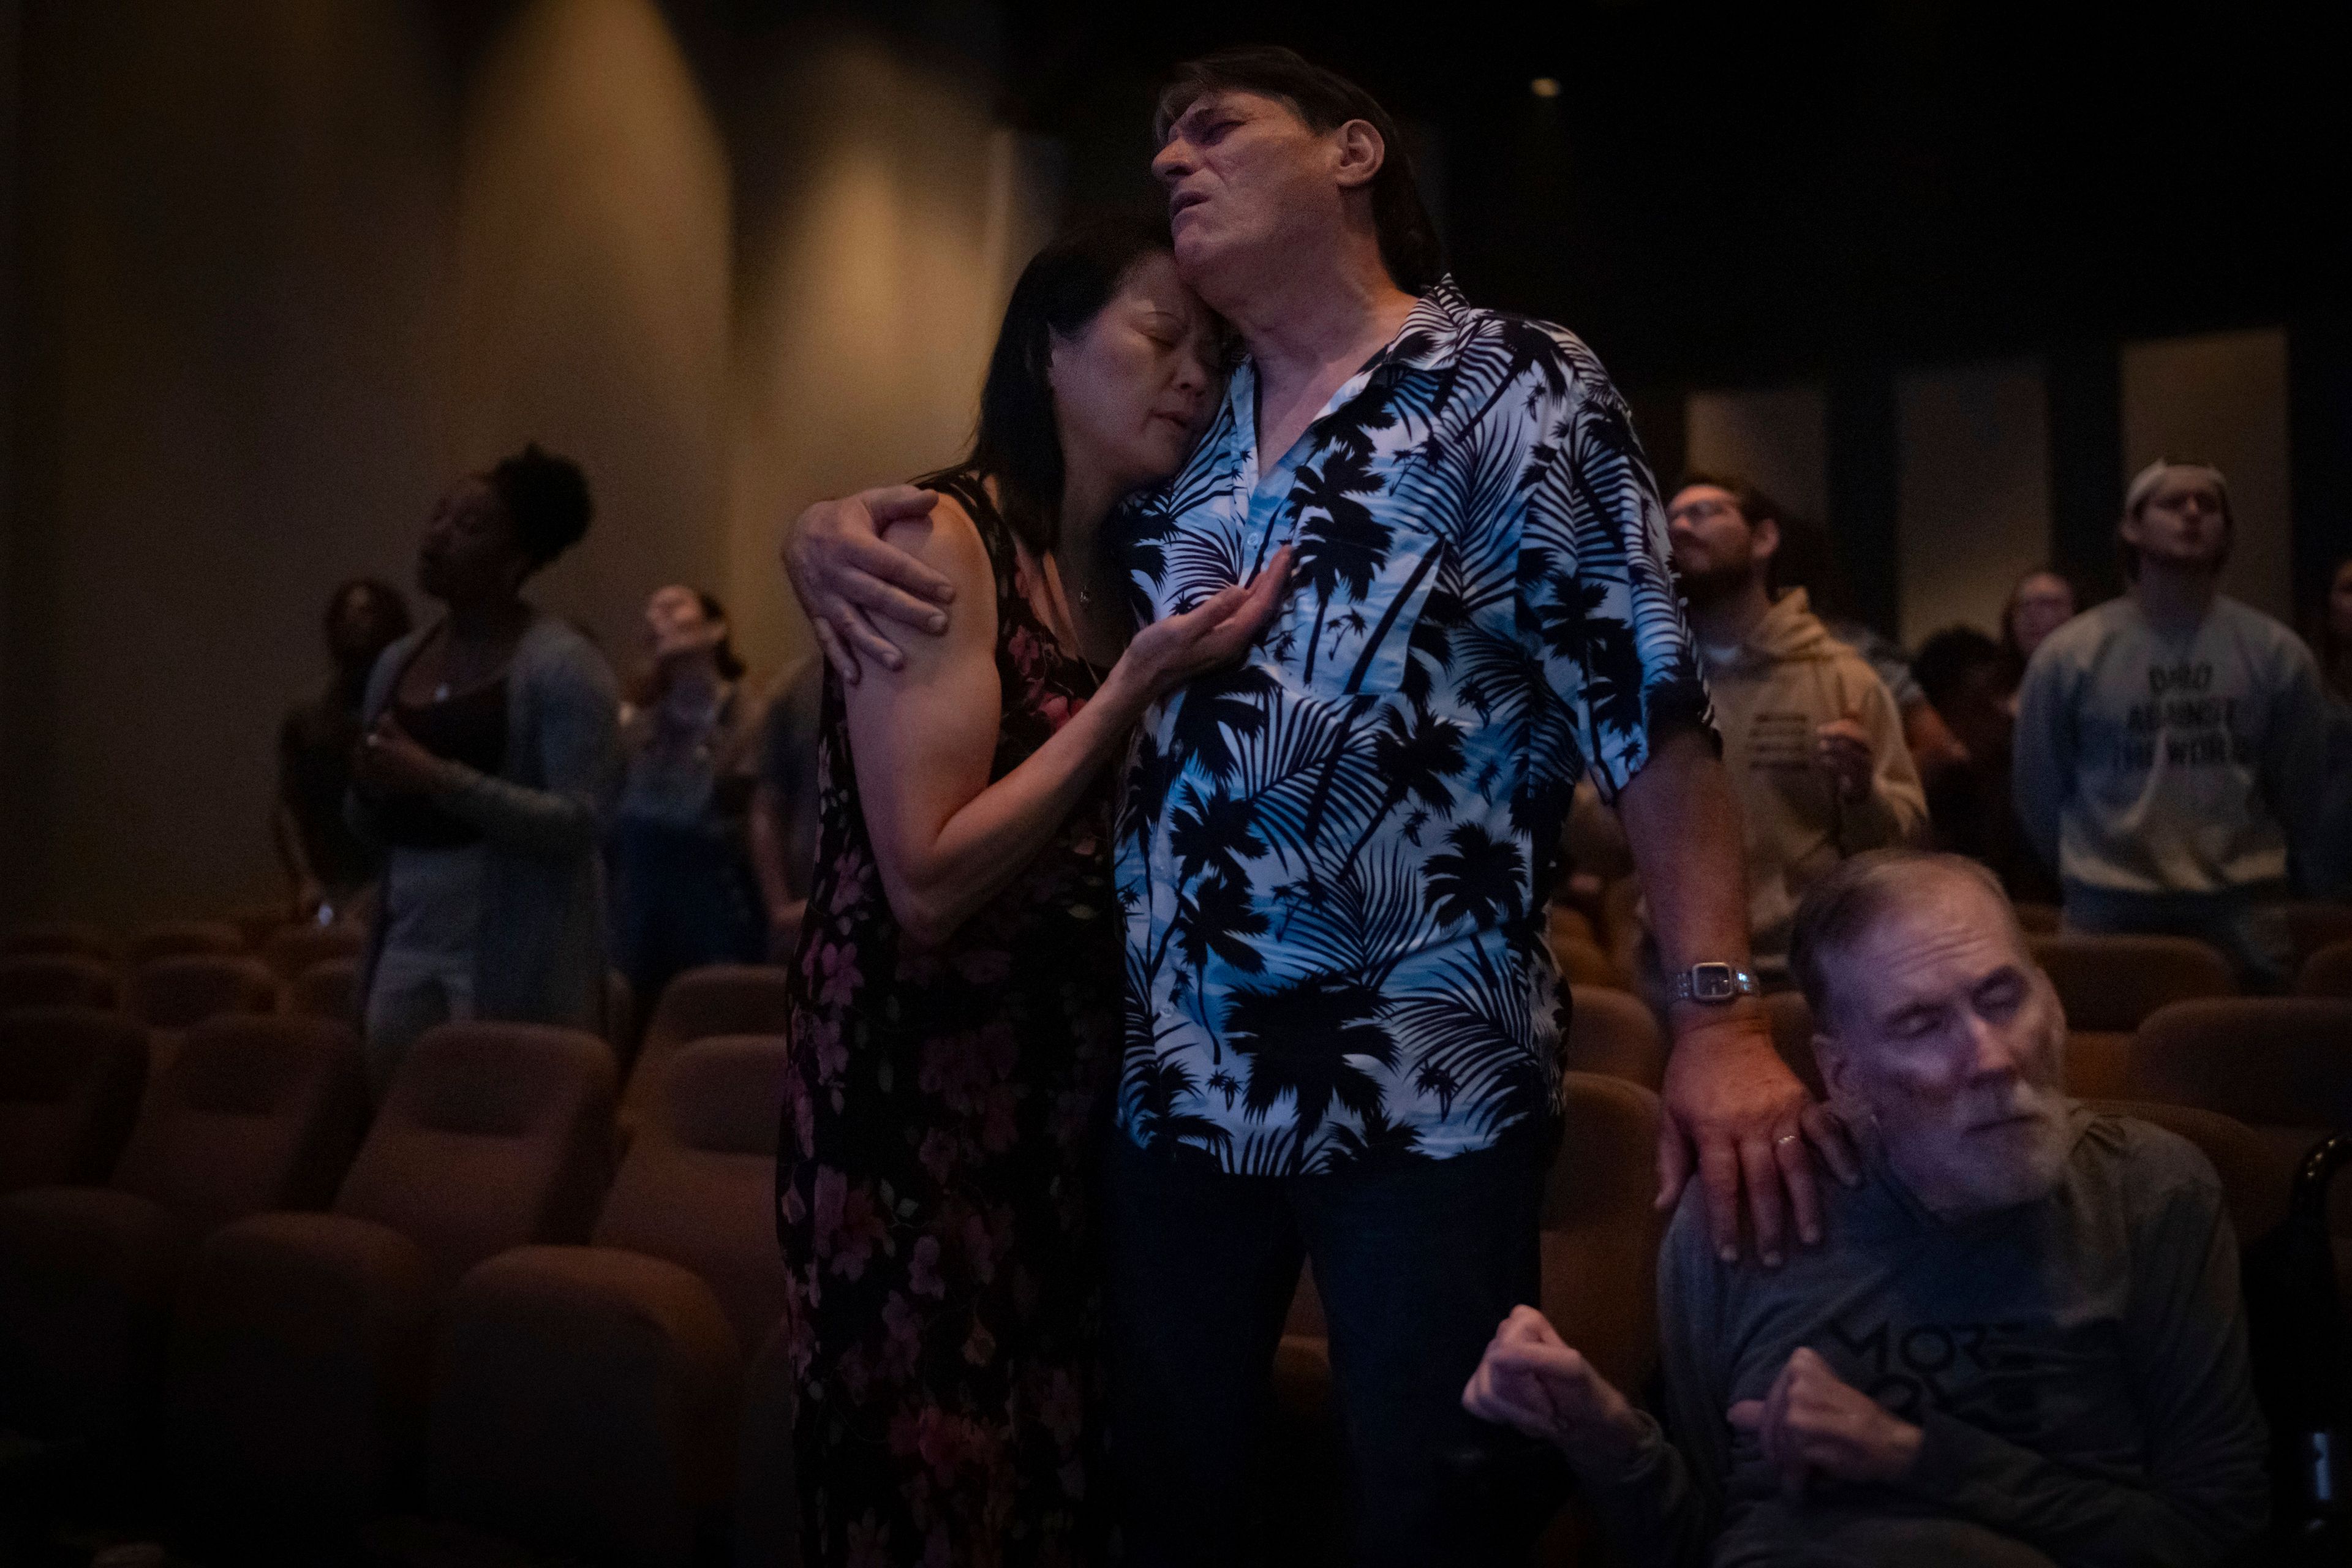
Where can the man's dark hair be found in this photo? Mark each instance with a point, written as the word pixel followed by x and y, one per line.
pixel 1853 896
pixel 1326 100
pixel 546 501
pixel 1753 503
pixel 1064 288
pixel 1950 657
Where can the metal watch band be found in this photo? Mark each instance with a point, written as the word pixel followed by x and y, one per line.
pixel 1714 984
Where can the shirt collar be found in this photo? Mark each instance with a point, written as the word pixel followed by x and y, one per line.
pixel 1430 337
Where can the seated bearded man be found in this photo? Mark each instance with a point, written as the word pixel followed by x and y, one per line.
pixel 2021 1341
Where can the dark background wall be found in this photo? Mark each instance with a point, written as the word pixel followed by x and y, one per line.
pixel 276 270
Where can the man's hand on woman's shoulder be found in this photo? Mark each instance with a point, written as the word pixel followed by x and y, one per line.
pixel 848 576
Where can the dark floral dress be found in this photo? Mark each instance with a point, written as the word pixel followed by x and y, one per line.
pixel 942 1125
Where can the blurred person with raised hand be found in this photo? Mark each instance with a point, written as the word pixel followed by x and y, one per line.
pixel 1970 679
pixel 1343 1039
pixel 1812 736
pixel 327 865
pixel 955 1008
pixel 2170 744
pixel 485 772
pixel 684 888
pixel 2021 1343
pixel 1807 559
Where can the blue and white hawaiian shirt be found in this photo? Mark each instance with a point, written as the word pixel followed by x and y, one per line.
pixel 1335 857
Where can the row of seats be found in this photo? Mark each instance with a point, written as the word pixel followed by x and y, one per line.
pixel 1600 947
pixel 467 1315
pixel 288 946
pixel 72 1079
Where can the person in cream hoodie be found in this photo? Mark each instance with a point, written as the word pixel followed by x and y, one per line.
pixel 1811 735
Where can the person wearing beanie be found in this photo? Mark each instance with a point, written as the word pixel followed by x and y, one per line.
pixel 486 770
pixel 2170 744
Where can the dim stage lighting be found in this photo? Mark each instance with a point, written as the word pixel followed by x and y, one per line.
pixel 1544 87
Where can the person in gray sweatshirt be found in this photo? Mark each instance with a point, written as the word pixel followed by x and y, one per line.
pixel 2020 1342
pixel 2170 744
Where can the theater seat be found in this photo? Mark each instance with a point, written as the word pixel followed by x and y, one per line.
pixel 69 1084
pixel 1612 1033
pixel 329 990
pixel 2328 972
pixel 1601 1228
pixel 180 992
pixel 59 980
pixel 175 939
pixel 298 1361
pixel 2313 925
pixel 73 937
pixel 2280 1064
pixel 1582 962
pixel 717 999
pixel 255 1114
pixel 2040 919
pixel 587 1398
pixel 292 949
pixel 2110 983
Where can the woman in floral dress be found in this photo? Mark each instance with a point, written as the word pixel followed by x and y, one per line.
pixel 957 1004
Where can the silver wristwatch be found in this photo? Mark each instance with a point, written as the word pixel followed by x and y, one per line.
pixel 1714 984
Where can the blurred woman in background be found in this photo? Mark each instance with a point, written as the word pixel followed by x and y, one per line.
pixel 684 890
pixel 2043 600
pixel 327 864
pixel 484 773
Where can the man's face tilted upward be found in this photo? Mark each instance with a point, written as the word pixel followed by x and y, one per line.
pixel 1945 1033
pixel 1248 183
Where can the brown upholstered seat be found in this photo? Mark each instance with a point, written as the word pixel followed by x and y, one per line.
pixel 300 1349
pixel 1612 1032
pixel 291 949
pixel 1582 963
pixel 587 1397
pixel 2280 1064
pixel 717 999
pixel 328 989
pixel 2328 972
pixel 2098 1063
pixel 69 1085
pixel 182 990
pixel 73 937
pixel 254 1114
pixel 2112 983
pixel 1568 921
pixel 59 980
pixel 174 939
pixel 2314 925
pixel 2039 919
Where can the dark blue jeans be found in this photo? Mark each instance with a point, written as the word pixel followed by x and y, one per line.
pixel 1416 1264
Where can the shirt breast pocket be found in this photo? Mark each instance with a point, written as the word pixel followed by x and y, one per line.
pixel 1348 628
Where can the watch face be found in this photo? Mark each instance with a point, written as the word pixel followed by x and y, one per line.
pixel 1714 982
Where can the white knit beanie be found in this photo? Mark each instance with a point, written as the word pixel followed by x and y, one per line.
pixel 2144 485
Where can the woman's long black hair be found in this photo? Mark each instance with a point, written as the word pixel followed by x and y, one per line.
pixel 1062 289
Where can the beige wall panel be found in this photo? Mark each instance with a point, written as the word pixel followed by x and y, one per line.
pixel 1775 437
pixel 2220 398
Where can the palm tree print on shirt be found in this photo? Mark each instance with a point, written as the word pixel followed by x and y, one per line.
pixel 1334 859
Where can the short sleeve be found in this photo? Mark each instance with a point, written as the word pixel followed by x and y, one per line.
pixel 1595 583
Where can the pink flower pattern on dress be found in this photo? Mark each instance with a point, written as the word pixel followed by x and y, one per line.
pixel 935 1196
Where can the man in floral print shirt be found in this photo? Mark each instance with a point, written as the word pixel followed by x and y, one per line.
pixel 1343 1017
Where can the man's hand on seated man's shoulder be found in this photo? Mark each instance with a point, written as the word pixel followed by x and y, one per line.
pixel 1529 1379
pixel 845 574
pixel 1814 1423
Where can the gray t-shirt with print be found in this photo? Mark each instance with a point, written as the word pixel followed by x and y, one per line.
pixel 2077 1366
